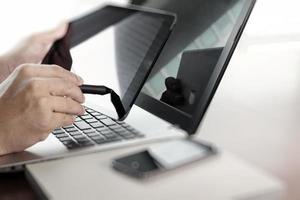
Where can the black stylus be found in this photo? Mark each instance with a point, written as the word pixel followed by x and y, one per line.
pixel 95 89
pixel 103 90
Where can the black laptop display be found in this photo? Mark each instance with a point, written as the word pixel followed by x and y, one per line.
pixel 190 67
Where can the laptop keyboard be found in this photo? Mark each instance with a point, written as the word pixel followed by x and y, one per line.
pixel 94 128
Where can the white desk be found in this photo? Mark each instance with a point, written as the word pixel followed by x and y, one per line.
pixel 223 177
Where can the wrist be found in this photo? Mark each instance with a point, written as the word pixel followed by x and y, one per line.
pixel 6 66
pixel 3 150
pixel 3 134
pixel 3 142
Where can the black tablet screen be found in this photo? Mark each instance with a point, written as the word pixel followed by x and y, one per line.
pixel 115 47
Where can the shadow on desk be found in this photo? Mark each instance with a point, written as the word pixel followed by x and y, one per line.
pixel 15 186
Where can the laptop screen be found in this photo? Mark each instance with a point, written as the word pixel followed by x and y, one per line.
pixel 194 59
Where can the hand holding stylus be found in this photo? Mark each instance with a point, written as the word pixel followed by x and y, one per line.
pixel 34 100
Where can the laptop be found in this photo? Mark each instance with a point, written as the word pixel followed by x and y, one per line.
pixel 210 30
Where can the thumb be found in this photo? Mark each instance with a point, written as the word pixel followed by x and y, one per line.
pixel 56 33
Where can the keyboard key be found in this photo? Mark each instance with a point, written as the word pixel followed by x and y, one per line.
pixel 129 137
pixel 75 133
pixel 88 130
pixel 86 112
pixel 82 125
pixel 92 134
pixel 85 143
pixel 125 125
pixel 81 139
pixel 137 133
pixel 78 119
pixel 130 128
pixel 70 126
pixel 65 139
pixel 108 122
pixel 91 120
pixel 102 129
pixel 73 129
pixel 92 111
pixel 115 126
pixel 106 141
pixel 79 136
pixel 96 124
pixel 100 117
pixel 100 140
pixel 112 137
pixel 89 110
pixel 124 133
pixel 106 132
pixel 96 114
pixel 57 131
pixel 97 137
pixel 61 135
pixel 85 117
pixel 70 144
pixel 119 129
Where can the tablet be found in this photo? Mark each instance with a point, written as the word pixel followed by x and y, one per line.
pixel 115 47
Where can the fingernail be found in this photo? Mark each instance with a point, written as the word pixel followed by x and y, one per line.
pixel 80 80
pixel 83 110
pixel 83 98
pixel 74 118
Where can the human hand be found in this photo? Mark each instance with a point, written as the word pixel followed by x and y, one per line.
pixel 34 100
pixel 31 50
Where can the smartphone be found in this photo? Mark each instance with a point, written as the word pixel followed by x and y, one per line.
pixel 163 157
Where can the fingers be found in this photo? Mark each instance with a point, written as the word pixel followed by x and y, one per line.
pixel 61 119
pixel 54 34
pixel 57 71
pixel 64 88
pixel 52 80
pixel 64 111
pixel 66 105
pixel 48 71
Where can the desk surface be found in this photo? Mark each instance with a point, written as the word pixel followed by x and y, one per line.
pixel 255 111
pixel 220 177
